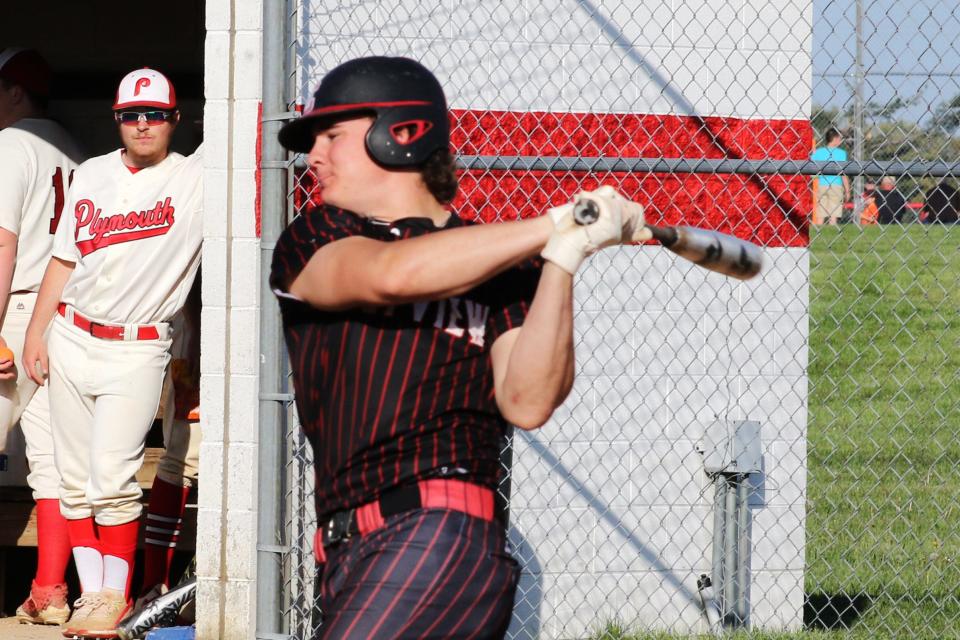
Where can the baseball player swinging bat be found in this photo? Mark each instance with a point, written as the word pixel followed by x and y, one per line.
pixel 711 250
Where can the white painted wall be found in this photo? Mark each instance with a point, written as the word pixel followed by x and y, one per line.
pixel 227 509
pixel 612 511
pixel 742 58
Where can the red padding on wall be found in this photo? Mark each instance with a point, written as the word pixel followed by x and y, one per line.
pixel 770 210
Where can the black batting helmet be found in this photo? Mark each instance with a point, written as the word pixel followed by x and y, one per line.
pixel 397 92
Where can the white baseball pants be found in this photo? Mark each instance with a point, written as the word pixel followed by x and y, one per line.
pixel 104 396
pixel 21 400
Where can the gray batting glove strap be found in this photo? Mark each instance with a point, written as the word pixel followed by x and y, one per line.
pixel 570 243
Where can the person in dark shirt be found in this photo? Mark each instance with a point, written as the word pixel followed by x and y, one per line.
pixel 414 339
pixel 891 205
pixel 941 204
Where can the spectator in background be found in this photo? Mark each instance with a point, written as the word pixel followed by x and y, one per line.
pixel 869 213
pixel 891 205
pixel 941 204
pixel 832 191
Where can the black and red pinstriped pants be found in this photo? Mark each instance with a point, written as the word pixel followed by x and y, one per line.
pixel 426 573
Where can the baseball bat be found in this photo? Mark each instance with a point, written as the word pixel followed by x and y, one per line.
pixel 709 249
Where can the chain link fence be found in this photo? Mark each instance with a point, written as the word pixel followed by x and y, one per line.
pixel 776 455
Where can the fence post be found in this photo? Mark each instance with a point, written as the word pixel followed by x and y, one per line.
pixel 273 176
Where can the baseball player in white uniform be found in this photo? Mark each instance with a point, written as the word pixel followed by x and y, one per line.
pixel 124 258
pixel 37 160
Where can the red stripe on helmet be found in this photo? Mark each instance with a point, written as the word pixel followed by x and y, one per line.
pixel 363 105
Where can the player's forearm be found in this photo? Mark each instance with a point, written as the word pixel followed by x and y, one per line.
pixel 51 288
pixel 540 368
pixel 440 265
pixel 359 271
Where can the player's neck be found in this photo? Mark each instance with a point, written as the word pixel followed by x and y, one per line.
pixel 426 208
pixel 406 200
pixel 142 162
pixel 24 112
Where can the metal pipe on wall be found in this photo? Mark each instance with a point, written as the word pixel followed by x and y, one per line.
pixel 729 550
pixel 273 178
pixel 743 543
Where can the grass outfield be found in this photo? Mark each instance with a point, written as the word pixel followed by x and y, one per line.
pixel 883 502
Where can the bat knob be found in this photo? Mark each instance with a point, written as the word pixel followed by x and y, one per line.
pixel 585 211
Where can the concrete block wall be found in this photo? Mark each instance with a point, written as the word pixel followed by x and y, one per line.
pixel 725 58
pixel 612 511
pixel 227 513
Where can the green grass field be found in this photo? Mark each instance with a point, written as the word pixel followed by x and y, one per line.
pixel 883 498
pixel 883 502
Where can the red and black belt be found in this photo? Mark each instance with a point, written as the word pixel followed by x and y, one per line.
pixel 436 493
pixel 108 331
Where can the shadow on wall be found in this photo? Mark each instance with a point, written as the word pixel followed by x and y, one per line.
pixel 651 556
pixel 528 604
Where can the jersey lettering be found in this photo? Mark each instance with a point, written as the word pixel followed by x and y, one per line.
pixel 451 314
pixel 142 83
pixel 453 328
pixel 122 227
pixel 477 321
pixel 58 197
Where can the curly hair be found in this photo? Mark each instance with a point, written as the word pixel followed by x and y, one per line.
pixel 439 173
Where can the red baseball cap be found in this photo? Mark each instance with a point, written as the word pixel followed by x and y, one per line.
pixel 27 68
pixel 145 88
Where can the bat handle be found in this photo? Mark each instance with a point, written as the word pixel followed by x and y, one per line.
pixel 666 236
pixel 585 211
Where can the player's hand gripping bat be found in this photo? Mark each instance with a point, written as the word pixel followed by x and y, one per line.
pixel 711 250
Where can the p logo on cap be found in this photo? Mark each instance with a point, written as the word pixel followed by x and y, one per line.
pixel 145 88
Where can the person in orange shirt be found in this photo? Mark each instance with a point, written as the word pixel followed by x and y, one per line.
pixel 870 213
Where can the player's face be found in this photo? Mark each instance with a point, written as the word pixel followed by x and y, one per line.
pixel 348 177
pixel 146 139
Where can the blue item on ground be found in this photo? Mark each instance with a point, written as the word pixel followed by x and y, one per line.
pixel 172 633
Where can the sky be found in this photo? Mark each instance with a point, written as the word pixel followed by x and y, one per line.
pixel 911 50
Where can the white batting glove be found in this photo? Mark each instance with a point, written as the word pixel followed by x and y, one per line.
pixel 570 242
pixel 634 227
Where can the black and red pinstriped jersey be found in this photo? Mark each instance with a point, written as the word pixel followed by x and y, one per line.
pixel 390 395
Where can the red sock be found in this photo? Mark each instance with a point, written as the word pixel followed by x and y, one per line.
pixel 83 533
pixel 53 543
pixel 164 517
pixel 119 542
pixel 86 553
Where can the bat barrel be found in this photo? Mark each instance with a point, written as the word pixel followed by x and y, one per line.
pixel 718 252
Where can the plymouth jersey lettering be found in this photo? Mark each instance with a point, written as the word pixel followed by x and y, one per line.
pixel 104 231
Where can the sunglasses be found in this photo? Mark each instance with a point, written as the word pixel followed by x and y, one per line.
pixel 152 118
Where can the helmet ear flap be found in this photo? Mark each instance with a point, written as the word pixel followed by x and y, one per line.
pixel 387 144
pixel 419 128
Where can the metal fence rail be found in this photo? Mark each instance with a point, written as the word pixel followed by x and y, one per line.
pixel 635 509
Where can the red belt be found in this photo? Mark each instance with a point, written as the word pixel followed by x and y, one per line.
pixel 437 493
pixel 108 331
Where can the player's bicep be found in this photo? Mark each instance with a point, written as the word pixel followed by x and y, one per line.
pixel 342 274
